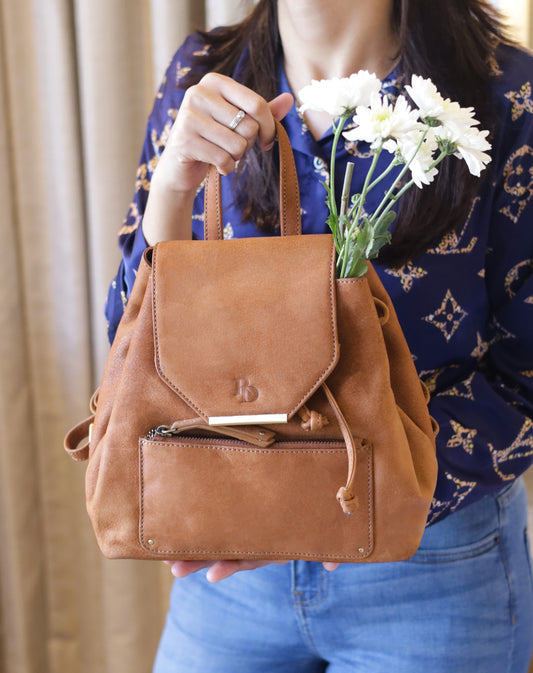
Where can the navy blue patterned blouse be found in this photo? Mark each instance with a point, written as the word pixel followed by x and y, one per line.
pixel 466 305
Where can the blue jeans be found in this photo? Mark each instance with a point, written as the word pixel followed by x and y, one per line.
pixel 462 604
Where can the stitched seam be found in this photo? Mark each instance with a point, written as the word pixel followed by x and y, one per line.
pixel 257 554
pixel 172 386
pixel 141 494
pixel 220 224
pixel 206 219
pixel 333 362
pixel 350 281
pixel 307 633
pixel 284 197
pixel 503 556
pixel 220 227
pixel 528 553
pixel 370 472
pixel 298 207
pixel 319 598
pixel 259 449
pixel 450 557
pixel 508 494
pixel 156 340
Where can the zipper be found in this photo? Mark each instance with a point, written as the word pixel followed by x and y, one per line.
pixel 167 432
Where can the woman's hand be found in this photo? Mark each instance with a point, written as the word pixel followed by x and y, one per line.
pixel 220 570
pixel 201 135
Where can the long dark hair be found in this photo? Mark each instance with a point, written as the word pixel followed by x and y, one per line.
pixel 452 42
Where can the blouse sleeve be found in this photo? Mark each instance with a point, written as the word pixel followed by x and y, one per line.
pixel 486 436
pixel 130 238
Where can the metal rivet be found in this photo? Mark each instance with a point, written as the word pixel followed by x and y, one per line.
pixel 151 542
pixel 361 550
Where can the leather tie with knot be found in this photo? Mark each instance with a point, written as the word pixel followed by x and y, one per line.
pixel 312 420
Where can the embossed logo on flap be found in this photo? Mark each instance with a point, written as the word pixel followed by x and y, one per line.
pixel 245 391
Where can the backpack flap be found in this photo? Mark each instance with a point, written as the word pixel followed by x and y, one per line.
pixel 245 330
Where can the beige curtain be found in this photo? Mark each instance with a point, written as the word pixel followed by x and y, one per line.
pixel 77 78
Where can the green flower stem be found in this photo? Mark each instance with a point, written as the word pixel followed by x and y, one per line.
pixel 389 199
pixel 407 186
pixel 390 193
pixel 383 175
pixel 364 191
pixel 337 128
pixel 344 251
pixel 442 155
pixel 344 260
pixel 346 188
pixel 371 186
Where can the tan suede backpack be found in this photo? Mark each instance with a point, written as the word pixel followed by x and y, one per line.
pixel 251 402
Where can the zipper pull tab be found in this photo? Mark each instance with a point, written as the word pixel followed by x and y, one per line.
pixel 253 434
pixel 160 431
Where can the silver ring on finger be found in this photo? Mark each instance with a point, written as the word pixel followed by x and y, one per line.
pixel 241 114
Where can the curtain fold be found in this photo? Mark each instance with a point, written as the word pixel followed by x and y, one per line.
pixel 77 80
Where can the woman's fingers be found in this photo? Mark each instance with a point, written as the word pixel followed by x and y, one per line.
pixel 280 106
pixel 184 568
pixel 218 570
pixel 219 120
pixel 208 111
pixel 218 88
pixel 223 569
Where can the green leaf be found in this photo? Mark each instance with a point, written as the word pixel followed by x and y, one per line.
pixel 332 224
pixel 382 226
pixel 344 225
pixel 379 234
pixel 359 269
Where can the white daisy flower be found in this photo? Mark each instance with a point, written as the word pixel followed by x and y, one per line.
pixel 422 171
pixel 458 124
pixel 339 96
pixel 382 121
pixel 433 106
pixel 471 146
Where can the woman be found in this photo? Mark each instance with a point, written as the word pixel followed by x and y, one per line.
pixel 459 271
